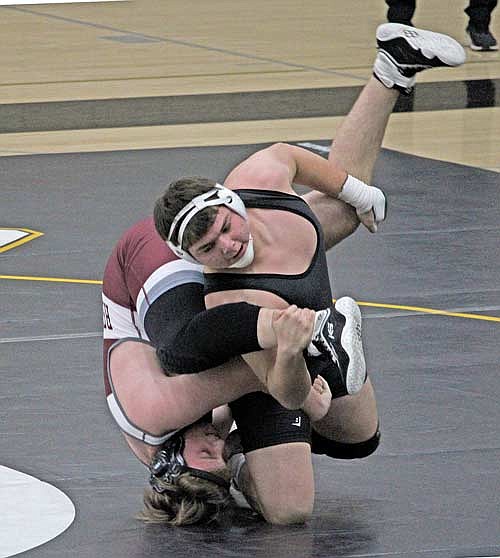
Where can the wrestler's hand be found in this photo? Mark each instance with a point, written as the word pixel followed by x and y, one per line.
pixel 370 202
pixel 318 401
pixel 293 328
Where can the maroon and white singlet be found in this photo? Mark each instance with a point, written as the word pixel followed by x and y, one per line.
pixel 140 269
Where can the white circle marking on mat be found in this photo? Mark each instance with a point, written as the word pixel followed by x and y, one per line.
pixel 32 512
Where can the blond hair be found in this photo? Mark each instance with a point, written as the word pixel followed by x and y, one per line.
pixel 190 500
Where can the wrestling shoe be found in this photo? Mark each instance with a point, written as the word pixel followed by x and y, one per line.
pixel 337 332
pixel 403 51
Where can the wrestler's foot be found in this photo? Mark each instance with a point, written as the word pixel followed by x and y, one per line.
pixel 404 51
pixel 317 403
pixel 337 331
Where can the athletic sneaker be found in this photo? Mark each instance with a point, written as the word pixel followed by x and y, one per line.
pixel 481 38
pixel 403 51
pixel 337 332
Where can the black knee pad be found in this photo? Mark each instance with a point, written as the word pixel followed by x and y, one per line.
pixel 340 450
pixel 262 422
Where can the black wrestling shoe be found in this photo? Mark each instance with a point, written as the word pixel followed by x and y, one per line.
pixel 337 332
pixel 481 38
pixel 403 51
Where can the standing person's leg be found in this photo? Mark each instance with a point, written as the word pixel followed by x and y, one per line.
pixel 479 11
pixel 400 11
pixel 478 28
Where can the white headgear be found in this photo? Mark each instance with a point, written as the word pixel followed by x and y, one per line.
pixel 218 195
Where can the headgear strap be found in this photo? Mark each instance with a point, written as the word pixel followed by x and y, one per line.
pixel 168 465
pixel 218 195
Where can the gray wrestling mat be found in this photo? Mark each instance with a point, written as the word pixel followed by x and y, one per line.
pixel 432 487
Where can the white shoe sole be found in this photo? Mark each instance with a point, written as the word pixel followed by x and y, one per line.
pixel 480 49
pixel 430 44
pixel 352 343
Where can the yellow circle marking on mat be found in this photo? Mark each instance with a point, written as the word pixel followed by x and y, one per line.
pixel 418 309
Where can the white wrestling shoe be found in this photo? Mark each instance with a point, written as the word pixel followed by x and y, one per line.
pixel 337 332
pixel 403 51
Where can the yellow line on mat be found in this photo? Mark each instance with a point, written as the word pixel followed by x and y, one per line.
pixel 418 309
pixel 431 311
pixel 51 279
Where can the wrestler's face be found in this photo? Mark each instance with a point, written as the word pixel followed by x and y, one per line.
pixel 224 243
pixel 203 448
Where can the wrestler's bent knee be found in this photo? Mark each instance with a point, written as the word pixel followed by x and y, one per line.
pixel 288 515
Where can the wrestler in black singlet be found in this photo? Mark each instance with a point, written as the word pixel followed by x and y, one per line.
pixel 261 420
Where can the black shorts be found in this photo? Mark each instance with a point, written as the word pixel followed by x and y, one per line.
pixel 262 422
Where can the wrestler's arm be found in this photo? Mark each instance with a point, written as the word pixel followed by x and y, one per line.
pixel 157 403
pixel 283 370
pixel 190 338
pixel 281 165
